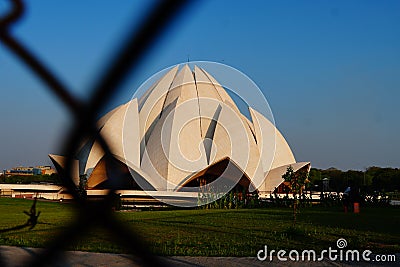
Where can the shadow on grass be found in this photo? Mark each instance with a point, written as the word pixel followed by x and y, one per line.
pixel 32 221
pixel 18 227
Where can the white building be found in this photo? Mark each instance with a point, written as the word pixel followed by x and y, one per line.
pixel 183 133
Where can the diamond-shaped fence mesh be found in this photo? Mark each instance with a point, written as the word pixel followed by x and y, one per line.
pixel 85 113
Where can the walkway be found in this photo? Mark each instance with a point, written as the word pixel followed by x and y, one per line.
pixel 17 256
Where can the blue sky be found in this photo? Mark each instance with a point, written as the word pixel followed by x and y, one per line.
pixel 330 70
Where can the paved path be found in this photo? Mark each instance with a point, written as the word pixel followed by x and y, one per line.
pixel 18 256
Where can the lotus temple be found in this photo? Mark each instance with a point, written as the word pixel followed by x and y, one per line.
pixel 185 132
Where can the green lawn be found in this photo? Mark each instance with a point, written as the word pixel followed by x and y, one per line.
pixel 215 232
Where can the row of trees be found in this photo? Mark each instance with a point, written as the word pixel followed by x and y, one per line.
pixel 28 179
pixel 371 180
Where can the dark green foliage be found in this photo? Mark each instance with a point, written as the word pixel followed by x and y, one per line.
pixel 231 200
pixel 304 200
pixel 377 199
pixel 82 186
pixel 385 179
pixel 28 179
pixel 368 181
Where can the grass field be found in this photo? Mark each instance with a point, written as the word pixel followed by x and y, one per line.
pixel 215 232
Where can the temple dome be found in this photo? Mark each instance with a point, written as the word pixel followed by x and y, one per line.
pixel 183 131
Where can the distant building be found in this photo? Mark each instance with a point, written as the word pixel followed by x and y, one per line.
pixel 37 170
pixel 44 170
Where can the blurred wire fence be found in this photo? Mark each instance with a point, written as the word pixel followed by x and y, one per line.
pixel 85 113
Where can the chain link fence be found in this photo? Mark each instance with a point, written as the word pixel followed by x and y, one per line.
pixel 93 213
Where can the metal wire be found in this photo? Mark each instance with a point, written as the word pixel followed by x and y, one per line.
pixel 85 113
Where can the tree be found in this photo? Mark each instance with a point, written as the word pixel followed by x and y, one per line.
pixel 82 186
pixel 315 177
pixel 296 183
